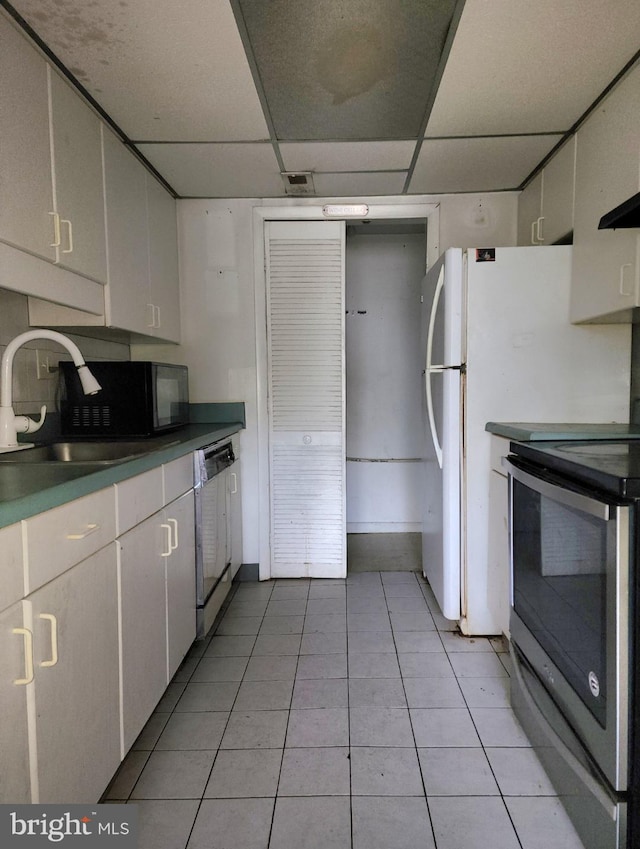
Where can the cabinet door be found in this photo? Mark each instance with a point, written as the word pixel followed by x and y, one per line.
pixel 235 517
pixel 76 688
pixel 499 577
pixel 180 581
pixel 25 155
pixel 79 195
pixel 163 261
pixel 127 293
pixel 143 624
pixel 529 212
pixel 605 266
pixel 15 660
pixel 557 199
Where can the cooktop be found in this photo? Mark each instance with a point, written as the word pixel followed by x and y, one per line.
pixel 611 465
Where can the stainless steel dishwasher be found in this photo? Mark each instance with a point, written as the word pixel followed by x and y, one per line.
pixel 215 483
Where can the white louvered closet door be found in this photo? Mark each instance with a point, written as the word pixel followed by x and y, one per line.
pixel 305 330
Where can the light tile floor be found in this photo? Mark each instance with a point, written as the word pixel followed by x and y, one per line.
pixel 340 715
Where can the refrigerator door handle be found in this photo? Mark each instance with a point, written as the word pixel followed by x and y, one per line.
pixel 432 420
pixel 430 368
pixel 432 319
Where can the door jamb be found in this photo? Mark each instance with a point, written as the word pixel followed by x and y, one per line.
pixel 311 210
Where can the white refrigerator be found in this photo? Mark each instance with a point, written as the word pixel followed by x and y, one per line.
pixel 499 347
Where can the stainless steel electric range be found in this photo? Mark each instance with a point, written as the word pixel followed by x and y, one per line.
pixel 575 628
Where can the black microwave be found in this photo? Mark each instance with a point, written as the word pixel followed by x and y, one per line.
pixel 136 399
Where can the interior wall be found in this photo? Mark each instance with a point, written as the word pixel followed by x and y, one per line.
pixel 384 271
pixel 217 302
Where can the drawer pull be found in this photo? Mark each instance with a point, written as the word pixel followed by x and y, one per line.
pixel 56 231
pixel 169 537
pixel 54 639
pixel 174 524
pixel 234 485
pixel 69 248
pixel 623 289
pixel 28 656
pixel 90 529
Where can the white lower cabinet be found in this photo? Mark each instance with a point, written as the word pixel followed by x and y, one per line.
pixel 498 561
pixel 59 695
pixel 87 653
pixel 144 625
pixel 157 593
pixel 74 621
pixel 15 658
pixel 180 581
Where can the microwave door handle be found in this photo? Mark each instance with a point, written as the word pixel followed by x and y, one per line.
pixel 564 496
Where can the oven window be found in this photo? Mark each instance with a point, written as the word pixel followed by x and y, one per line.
pixel 559 586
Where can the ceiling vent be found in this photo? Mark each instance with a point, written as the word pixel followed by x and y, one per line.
pixel 298 182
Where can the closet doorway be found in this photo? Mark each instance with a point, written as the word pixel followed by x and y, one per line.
pixel 385 264
pixel 366 522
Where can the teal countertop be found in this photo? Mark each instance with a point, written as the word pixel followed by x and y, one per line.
pixel 27 489
pixel 539 431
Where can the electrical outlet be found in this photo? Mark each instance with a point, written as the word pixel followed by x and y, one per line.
pixel 44 369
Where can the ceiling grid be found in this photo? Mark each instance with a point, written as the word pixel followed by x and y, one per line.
pixel 373 97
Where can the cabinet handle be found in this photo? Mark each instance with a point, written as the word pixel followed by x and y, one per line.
pixel 533 232
pixel 174 524
pixel 622 276
pixel 234 478
pixel 54 639
pixel 157 312
pixel 169 535
pixel 90 529
pixel 56 231
pixel 28 656
pixel 69 248
pixel 539 233
pixel 153 316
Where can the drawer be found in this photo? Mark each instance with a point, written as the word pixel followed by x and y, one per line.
pixel 499 449
pixel 62 537
pixel 178 477
pixel 12 571
pixel 137 498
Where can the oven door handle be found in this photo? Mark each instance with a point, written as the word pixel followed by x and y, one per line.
pixel 559 493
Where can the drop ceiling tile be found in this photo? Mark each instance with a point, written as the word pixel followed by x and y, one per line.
pixel 217 170
pixel 531 67
pixel 340 69
pixel 347 156
pixel 161 71
pixel 359 184
pixel 479 164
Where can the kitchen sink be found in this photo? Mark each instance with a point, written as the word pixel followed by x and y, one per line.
pixel 83 452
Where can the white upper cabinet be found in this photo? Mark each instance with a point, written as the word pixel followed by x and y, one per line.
pixel 78 188
pixel 604 283
pixel 25 155
pixel 50 164
pixel 545 207
pixel 142 292
pixel 163 262
pixel 126 295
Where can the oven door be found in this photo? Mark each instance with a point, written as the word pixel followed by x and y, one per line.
pixel 570 603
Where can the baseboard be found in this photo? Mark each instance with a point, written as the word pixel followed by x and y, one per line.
pixel 248 572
